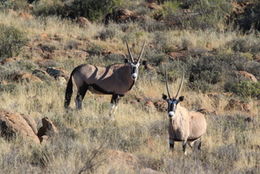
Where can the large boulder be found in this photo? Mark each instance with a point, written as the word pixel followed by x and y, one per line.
pixel 13 124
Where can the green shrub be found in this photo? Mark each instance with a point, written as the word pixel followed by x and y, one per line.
pixel 49 7
pixel 205 14
pixel 111 31
pixel 244 88
pixel 15 5
pixel 11 41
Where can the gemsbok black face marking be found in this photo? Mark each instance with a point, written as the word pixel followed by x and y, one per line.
pixel 185 126
pixel 116 80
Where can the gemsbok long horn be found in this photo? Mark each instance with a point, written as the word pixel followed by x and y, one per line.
pixel 167 87
pixel 129 52
pixel 180 87
pixel 141 53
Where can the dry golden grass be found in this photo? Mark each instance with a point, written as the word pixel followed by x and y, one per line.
pixel 231 144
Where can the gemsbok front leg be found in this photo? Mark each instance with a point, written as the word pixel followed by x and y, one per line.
pixel 80 96
pixel 114 102
pixel 171 144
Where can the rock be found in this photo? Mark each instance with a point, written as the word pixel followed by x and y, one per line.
pixel 25 15
pixel 237 105
pixel 83 22
pixel 25 77
pixel 248 119
pixel 9 60
pixel 122 158
pixel 149 171
pixel 247 75
pixel 149 104
pixel 56 72
pixel 44 36
pixel 121 16
pixel 161 105
pixel 43 75
pixel 12 124
pixel 47 130
pixel 153 6
pixel 178 55
pixel 206 111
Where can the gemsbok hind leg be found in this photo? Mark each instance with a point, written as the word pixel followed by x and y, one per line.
pixel 196 144
pixel 199 144
pixel 114 101
pixel 80 96
pixel 171 144
pixel 184 145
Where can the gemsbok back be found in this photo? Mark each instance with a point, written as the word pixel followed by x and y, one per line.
pixel 116 80
pixel 185 126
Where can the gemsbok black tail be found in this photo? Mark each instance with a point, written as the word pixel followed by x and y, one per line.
pixel 68 93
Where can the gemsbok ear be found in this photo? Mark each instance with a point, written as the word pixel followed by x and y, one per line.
pixel 164 96
pixel 126 60
pixel 181 98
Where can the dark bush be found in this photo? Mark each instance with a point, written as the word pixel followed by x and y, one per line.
pixel 249 18
pixel 11 41
pixel 207 71
pixel 91 9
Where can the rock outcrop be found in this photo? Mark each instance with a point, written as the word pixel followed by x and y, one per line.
pixel 12 124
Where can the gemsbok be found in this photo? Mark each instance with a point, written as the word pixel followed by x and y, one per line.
pixel 185 126
pixel 115 80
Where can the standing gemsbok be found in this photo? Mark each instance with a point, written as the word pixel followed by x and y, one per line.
pixel 185 126
pixel 116 80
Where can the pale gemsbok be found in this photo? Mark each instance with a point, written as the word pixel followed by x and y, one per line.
pixel 184 126
pixel 116 80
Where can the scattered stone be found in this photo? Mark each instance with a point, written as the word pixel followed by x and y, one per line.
pixel 149 171
pixel 47 130
pixel 56 72
pixel 160 105
pixel 122 158
pixel 149 104
pixel 25 15
pixel 43 75
pixel 153 6
pixel 237 105
pixel 9 60
pixel 248 119
pixel 83 22
pixel 121 16
pixel 247 75
pixel 25 77
pixel 178 54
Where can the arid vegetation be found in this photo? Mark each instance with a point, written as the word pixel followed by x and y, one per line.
pixel 215 42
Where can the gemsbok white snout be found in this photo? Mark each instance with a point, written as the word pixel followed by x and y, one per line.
pixel 115 80
pixel 184 126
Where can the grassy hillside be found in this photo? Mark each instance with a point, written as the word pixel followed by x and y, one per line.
pixel 207 47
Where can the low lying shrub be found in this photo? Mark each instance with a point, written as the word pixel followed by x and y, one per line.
pixel 244 88
pixel 11 41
